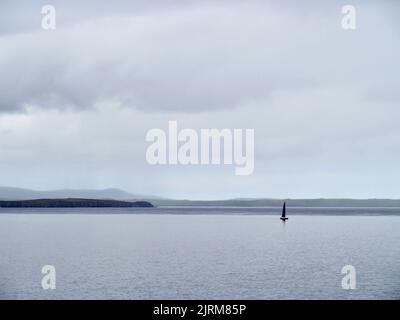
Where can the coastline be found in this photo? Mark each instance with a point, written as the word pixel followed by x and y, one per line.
pixel 191 211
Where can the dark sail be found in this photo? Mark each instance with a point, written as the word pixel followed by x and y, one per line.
pixel 284 210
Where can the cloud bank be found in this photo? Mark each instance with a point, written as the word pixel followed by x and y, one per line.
pixel 192 58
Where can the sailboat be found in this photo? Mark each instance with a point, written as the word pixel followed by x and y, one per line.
pixel 283 217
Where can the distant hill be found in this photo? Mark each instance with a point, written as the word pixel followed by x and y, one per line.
pixel 72 203
pixel 10 193
pixel 279 202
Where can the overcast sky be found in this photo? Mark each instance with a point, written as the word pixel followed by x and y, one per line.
pixel 76 102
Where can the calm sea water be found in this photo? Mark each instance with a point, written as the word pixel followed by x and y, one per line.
pixel 181 253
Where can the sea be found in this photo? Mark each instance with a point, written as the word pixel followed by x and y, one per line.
pixel 200 253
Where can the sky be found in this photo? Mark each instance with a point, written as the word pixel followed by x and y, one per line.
pixel 76 102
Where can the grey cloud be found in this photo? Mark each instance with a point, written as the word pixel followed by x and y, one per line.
pixel 385 94
pixel 190 60
pixel 24 15
pixel 193 57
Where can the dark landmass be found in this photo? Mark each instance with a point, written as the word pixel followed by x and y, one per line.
pixel 73 203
